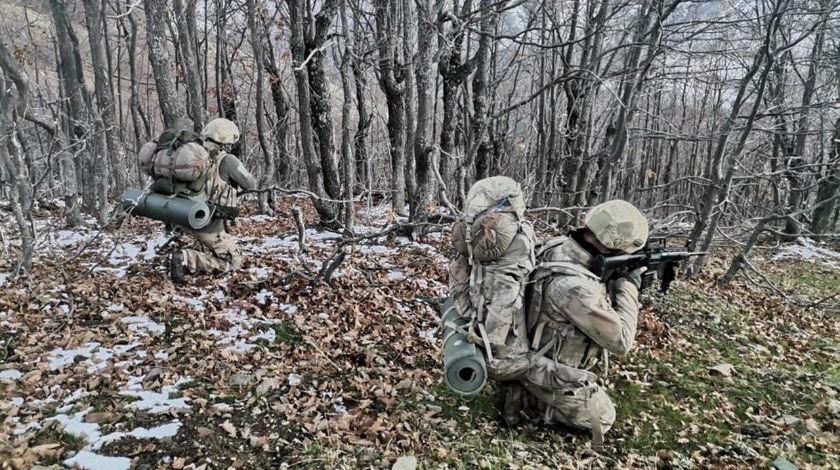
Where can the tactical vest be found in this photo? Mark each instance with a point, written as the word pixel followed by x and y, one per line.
pixel 567 344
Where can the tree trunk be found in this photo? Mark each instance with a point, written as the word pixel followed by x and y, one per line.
pixel 281 108
pixel 171 104
pixel 346 141
pixel 321 98
pixel 20 193
pixel 268 170
pixel 480 89
pixel 391 79
pixel 185 20
pixel 313 169
pixel 424 150
pixel 104 96
pixel 409 52
pixel 365 118
pixel 828 187
pixel 71 79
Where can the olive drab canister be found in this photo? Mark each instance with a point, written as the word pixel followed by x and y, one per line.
pixel 618 225
pixel 464 367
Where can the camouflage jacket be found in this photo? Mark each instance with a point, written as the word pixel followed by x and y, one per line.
pixel 570 306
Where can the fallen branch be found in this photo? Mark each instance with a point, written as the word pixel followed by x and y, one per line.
pixel 332 363
pixel 294 192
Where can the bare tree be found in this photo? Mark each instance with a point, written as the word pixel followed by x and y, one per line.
pixel 391 79
pixel 313 168
pixel 185 20
pixel 21 194
pixel 171 104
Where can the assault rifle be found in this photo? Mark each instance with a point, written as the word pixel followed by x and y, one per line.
pixel 659 261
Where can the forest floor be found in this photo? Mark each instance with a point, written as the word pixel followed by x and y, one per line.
pixel 107 365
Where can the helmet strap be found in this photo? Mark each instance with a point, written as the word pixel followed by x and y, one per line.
pixel 579 236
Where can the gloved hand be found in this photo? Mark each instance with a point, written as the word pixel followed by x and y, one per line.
pixel 635 277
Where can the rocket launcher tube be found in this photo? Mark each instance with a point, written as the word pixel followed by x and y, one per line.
pixel 464 366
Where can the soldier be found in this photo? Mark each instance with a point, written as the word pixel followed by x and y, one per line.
pixel 577 319
pixel 227 174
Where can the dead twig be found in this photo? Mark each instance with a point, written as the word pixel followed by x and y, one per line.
pixel 332 363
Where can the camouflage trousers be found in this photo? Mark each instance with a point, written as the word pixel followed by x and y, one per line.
pixel 219 251
pixel 574 408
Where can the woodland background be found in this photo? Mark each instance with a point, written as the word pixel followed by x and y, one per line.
pixel 369 121
pixel 721 115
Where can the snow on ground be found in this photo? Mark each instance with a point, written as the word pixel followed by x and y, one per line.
pixel 143 325
pixel 239 336
pixel 245 330
pixel 805 248
pixel 11 374
pixel 95 356
pixel 86 458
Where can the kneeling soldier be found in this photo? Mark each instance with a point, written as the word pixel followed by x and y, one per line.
pixel 226 175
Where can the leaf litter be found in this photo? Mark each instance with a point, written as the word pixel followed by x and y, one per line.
pixel 117 368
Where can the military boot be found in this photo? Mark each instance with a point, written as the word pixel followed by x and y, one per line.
pixel 177 269
pixel 514 401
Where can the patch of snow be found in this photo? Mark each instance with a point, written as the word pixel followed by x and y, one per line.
pixel 395 276
pixel 24 429
pixel 77 426
pixel 63 357
pixel 124 252
pixel 75 396
pixel 268 335
pixel 162 355
pixel 290 309
pixel 377 250
pixel 429 335
pixel 222 407
pixel 263 295
pixel 805 248
pixel 119 272
pixel 219 295
pixel 339 407
pixel 260 272
pixel 258 218
pixel 196 304
pixel 96 357
pixel 294 379
pixel 4 277
pixel 313 234
pixel 66 238
pixel 159 432
pixel 11 374
pixel 155 402
pixel 90 461
pixel 139 323
pixel 17 401
pixel 274 242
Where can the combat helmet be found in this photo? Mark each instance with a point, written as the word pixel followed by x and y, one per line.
pixel 221 131
pixel 618 225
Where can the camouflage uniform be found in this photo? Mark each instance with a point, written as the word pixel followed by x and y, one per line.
pixel 219 252
pixel 572 317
